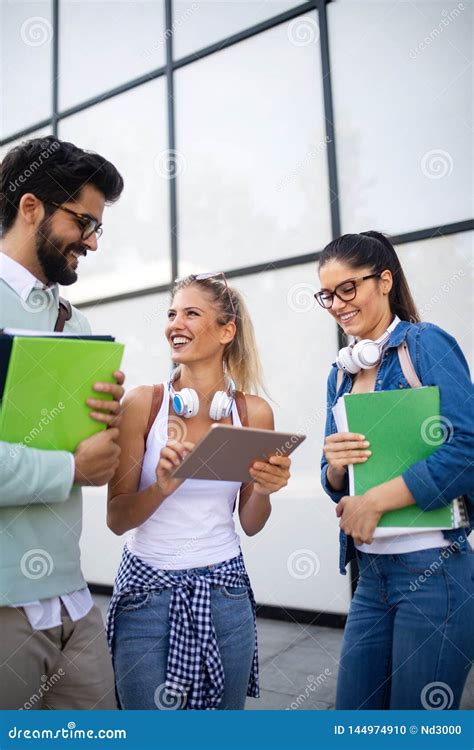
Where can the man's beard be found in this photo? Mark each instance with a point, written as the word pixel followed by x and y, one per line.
pixel 53 256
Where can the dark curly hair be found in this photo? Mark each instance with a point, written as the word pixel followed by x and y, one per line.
pixel 53 170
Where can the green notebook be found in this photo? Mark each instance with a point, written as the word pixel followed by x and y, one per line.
pixel 403 427
pixel 47 384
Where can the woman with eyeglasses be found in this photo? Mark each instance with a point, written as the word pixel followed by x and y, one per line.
pixel 181 623
pixel 408 642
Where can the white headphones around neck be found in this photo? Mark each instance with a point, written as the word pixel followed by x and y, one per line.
pixel 186 401
pixel 364 354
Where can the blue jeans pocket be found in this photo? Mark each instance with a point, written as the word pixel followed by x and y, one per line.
pixel 424 561
pixel 235 592
pixel 132 601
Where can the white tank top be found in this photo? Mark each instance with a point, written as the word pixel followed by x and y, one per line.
pixel 193 527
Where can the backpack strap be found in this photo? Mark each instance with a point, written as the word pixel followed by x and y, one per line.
pixel 241 405
pixel 156 401
pixel 407 366
pixel 64 314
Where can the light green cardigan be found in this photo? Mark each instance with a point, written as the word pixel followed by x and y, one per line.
pixel 40 510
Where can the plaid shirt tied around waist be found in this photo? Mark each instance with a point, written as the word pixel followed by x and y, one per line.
pixel 195 675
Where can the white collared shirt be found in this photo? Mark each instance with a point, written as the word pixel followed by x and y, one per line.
pixel 43 613
pixel 22 281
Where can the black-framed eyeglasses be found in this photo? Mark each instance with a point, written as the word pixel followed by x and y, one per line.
pixel 88 224
pixel 210 275
pixel 345 291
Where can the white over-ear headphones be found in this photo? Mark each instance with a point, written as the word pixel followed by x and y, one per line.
pixel 364 354
pixel 186 401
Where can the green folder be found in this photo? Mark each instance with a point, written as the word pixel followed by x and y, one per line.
pixel 47 384
pixel 403 427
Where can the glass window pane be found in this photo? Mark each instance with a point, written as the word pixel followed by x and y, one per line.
pixel 106 43
pixel 134 249
pixel 443 294
pixel 199 24
pixel 25 64
pixel 401 76
pixel 252 184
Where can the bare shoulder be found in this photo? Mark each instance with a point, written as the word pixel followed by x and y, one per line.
pixel 136 403
pixel 139 396
pixel 260 413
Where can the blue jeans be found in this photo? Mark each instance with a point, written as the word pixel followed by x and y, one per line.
pixel 408 641
pixel 141 645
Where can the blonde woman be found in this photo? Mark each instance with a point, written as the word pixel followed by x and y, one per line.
pixel 182 619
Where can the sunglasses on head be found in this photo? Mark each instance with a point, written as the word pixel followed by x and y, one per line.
pixel 210 275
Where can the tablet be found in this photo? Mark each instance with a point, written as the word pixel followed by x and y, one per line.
pixel 226 452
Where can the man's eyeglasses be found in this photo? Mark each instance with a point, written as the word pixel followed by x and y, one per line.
pixel 88 224
pixel 210 275
pixel 345 291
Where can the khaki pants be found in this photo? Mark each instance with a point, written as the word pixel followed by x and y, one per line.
pixel 66 667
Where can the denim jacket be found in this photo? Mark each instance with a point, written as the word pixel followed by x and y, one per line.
pixel 449 471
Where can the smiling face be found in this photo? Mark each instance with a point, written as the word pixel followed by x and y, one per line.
pixel 193 329
pixel 368 315
pixel 58 242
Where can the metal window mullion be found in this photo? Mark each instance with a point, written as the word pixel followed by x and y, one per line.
pixel 55 71
pixel 171 139
pixel 329 120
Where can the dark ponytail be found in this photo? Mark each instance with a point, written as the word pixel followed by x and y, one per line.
pixel 373 250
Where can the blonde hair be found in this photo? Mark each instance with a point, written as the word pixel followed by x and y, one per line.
pixel 240 358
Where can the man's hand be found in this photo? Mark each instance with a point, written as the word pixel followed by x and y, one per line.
pixel 108 412
pixel 97 458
